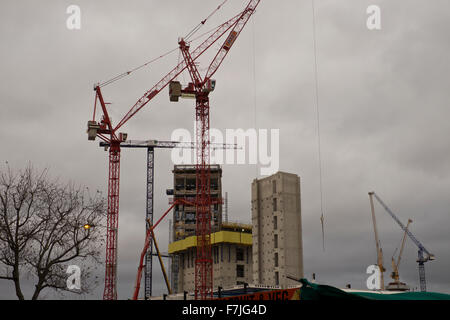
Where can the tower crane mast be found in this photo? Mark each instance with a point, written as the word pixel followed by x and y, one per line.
pixel 201 87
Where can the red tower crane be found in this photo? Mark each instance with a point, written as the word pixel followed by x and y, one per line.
pixel 200 87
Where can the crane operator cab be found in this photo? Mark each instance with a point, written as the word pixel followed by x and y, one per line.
pixel 209 86
pixel 176 91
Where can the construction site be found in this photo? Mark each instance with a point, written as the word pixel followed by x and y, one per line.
pixel 207 252
pixel 329 195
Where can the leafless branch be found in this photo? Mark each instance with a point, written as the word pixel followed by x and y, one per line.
pixel 41 228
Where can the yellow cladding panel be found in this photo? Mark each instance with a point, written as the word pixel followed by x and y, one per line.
pixel 182 244
pixel 218 237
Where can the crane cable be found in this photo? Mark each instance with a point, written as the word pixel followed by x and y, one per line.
pixel 127 73
pixel 255 105
pixel 124 74
pixel 191 33
pixel 202 23
pixel 322 218
pixel 208 32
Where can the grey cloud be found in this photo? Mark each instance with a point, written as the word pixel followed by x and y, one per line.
pixel 383 105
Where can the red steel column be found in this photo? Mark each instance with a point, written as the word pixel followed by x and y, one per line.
pixel 203 261
pixel 110 292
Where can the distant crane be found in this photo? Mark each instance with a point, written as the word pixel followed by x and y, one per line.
pixel 421 258
pixel 150 145
pixel 396 284
pixel 378 244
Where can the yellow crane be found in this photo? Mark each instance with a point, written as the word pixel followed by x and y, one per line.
pixel 396 285
pixel 377 242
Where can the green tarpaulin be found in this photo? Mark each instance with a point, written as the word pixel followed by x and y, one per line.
pixel 312 291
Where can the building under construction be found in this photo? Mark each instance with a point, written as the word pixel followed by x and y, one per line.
pixel 230 242
pixel 277 230
pixel 263 253
pixel 184 187
pixel 232 258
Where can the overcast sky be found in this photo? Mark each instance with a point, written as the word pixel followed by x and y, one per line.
pixel 384 118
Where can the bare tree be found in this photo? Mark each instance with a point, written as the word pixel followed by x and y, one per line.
pixel 44 226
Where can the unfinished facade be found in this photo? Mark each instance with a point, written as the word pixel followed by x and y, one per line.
pixel 184 217
pixel 277 230
pixel 232 258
